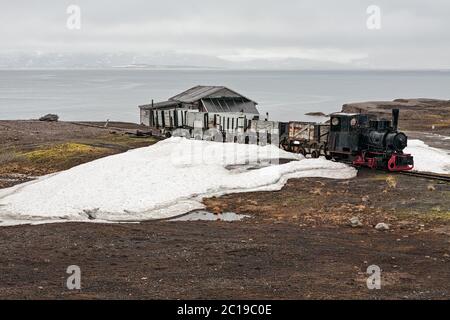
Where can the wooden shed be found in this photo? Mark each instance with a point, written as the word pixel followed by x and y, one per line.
pixel 211 99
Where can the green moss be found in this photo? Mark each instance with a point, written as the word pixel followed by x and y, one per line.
pixel 380 177
pixel 121 141
pixel 435 213
pixel 62 152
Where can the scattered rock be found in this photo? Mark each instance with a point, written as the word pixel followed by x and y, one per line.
pixel 49 117
pixel 431 187
pixel 355 222
pixel 382 226
pixel 444 230
pixel 365 199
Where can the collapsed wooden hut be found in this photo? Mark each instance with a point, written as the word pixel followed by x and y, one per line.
pixel 226 106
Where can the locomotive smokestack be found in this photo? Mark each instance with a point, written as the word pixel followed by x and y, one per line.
pixel 395 114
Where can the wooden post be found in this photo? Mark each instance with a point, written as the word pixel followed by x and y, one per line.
pixel 151 112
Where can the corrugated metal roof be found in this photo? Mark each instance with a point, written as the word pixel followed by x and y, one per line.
pixel 196 93
pixel 200 92
pixel 163 104
pixel 229 105
pixel 345 114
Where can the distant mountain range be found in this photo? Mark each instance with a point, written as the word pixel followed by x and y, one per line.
pixel 39 60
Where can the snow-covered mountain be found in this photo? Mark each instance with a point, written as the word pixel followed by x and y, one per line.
pixel 162 60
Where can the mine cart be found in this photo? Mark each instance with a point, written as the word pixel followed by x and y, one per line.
pixel 306 138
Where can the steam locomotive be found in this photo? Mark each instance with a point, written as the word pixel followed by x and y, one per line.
pixel 355 138
pixel 360 139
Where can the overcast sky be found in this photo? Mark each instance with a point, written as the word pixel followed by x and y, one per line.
pixel 413 34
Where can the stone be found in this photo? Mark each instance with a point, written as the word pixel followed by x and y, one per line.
pixel 355 222
pixel 382 226
pixel 49 117
pixel 316 114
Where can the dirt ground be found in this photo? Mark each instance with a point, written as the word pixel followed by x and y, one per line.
pixel 297 243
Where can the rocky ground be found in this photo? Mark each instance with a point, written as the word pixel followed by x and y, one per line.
pixel 298 242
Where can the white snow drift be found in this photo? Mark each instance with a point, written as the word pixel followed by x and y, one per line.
pixel 160 181
pixel 427 158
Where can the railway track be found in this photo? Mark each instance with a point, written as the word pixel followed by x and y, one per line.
pixel 419 174
pixel 426 175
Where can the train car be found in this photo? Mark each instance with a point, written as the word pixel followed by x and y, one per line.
pixel 306 138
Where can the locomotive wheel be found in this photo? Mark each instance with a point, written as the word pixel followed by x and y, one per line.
pixel 302 151
pixel 324 148
pixel 315 154
pixel 313 146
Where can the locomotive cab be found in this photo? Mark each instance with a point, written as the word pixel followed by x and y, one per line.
pixel 345 129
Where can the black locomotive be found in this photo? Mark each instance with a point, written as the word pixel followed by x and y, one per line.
pixel 366 141
pixel 360 139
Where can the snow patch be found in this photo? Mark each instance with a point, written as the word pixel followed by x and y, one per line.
pixel 161 181
pixel 427 158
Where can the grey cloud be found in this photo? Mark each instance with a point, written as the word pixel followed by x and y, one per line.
pixel 414 33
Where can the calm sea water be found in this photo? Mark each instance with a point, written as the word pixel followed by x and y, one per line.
pixel 286 95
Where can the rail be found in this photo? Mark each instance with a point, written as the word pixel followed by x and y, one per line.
pixel 427 175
